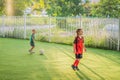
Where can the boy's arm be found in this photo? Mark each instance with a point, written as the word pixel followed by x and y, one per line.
pixel 84 48
pixel 74 47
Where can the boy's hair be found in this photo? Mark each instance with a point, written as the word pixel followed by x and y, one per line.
pixel 78 30
pixel 33 30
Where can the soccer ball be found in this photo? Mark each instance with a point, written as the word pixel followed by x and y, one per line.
pixel 41 52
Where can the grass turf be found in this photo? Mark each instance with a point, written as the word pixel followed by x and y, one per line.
pixel 17 64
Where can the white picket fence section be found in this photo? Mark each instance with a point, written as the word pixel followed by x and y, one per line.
pixel 98 32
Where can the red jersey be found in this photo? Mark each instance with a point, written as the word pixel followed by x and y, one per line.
pixel 78 45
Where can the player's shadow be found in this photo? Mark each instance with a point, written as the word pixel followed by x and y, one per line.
pixel 93 71
pixel 82 76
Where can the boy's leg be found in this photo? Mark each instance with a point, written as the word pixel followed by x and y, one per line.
pixel 74 64
pixel 78 60
pixel 31 48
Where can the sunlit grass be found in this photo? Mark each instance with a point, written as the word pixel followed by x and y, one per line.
pixel 17 64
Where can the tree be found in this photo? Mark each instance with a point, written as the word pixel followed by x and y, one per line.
pixel 38 5
pixel 65 7
pixel 107 8
pixel 86 8
pixel 13 7
pixel 2 7
pixel 20 6
pixel 35 5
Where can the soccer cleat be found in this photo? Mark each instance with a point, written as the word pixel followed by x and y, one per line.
pixel 73 67
pixel 31 52
pixel 77 68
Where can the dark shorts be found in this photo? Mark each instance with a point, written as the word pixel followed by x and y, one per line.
pixel 78 56
pixel 32 44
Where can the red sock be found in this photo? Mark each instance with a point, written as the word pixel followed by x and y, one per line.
pixel 75 62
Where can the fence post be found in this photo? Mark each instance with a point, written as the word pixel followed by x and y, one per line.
pixel 118 46
pixel 24 25
pixel 3 25
pixel 49 29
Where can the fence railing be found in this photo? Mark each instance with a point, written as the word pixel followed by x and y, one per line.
pixel 98 32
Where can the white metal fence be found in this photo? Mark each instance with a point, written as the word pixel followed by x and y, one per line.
pixel 98 32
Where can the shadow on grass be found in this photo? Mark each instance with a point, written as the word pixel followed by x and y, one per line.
pixel 93 71
pixel 81 64
pixel 82 76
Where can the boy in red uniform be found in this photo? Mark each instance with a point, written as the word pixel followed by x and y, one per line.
pixel 78 48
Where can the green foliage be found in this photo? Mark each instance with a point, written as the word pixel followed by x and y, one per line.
pixel 89 41
pixel 2 7
pixel 62 40
pixel 66 7
pixel 86 8
pixel 106 8
pixel 38 5
pixel 20 6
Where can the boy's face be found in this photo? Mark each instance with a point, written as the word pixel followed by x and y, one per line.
pixel 80 32
pixel 33 31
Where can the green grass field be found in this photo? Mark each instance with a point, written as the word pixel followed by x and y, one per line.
pixel 17 64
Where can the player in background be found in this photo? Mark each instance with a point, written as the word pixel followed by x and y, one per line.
pixel 32 41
